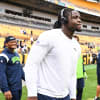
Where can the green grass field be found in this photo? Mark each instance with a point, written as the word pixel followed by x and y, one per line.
pixel 90 85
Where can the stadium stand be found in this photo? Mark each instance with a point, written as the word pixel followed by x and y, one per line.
pixel 15 31
pixel 27 20
pixel 86 5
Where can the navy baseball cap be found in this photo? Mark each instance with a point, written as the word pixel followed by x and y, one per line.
pixel 9 38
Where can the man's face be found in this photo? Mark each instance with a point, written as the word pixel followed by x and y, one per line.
pixel 74 21
pixel 12 44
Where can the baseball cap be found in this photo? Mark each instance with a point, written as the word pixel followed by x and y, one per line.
pixel 9 38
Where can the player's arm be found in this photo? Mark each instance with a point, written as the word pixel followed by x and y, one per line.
pixel 3 79
pixel 73 87
pixel 37 53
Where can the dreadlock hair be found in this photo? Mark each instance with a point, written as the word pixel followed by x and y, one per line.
pixel 63 17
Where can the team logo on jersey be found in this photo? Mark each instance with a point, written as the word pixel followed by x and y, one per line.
pixel 15 59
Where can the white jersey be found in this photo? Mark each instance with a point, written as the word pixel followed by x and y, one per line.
pixel 51 65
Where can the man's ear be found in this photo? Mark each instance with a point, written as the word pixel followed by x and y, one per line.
pixel 7 44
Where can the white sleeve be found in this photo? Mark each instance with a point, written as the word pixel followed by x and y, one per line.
pixel 36 55
pixel 74 79
pixel 73 87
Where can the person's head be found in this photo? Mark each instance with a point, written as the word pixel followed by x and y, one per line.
pixel 11 42
pixel 70 18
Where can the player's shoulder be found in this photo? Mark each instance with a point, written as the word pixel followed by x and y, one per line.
pixel 3 56
pixel 49 33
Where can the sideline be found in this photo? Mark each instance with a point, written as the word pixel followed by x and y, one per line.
pixel 92 66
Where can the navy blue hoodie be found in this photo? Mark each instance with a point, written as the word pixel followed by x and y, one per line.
pixel 11 72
